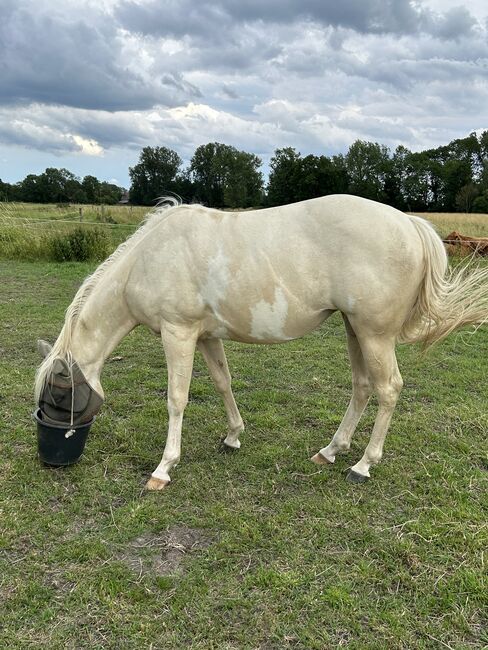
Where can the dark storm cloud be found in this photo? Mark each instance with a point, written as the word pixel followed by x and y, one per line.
pixel 175 18
pixel 454 23
pixel 36 136
pixel 218 20
pixel 75 62
pixel 82 58
pixel 372 16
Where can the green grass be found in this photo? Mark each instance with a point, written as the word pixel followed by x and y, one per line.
pixel 286 555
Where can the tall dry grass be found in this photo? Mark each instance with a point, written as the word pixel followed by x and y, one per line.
pixel 475 225
pixel 115 214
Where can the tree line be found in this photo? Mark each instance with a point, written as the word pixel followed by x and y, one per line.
pixel 445 179
pixel 61 186
pixel 448 178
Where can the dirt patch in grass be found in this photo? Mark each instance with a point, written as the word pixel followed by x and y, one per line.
pixel 58 582
pixel 163 554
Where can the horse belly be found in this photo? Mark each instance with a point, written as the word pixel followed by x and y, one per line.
pixel 266 323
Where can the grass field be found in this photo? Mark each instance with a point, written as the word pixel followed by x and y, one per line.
pixel 119 214
pixel 27 229
pixel 475 225
pixel 42 215
pixel 258 549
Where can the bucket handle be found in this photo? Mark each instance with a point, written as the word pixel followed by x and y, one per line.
pixel 71 431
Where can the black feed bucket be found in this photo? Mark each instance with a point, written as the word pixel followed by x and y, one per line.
pixel 56 444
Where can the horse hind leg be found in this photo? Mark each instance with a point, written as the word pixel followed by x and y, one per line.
pixel 361 392
pixel 380 359
pixel 179 346
pixel 214 355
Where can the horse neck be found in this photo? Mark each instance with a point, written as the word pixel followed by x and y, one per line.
pixel 104 319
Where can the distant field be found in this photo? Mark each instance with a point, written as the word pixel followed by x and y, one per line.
pixel 120 214
pixel 26 229
pixel 467 224
pixel 475 224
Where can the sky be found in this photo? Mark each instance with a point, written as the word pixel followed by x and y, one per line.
pixel 86 84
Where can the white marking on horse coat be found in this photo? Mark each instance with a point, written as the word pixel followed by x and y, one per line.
pixel 268 319
pixel 351 303
pixel 218 278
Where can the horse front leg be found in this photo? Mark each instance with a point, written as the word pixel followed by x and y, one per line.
pixel 179 346
pixel 214 355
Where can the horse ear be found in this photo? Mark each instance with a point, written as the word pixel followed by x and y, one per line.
pixel 60 367
pixel 43 347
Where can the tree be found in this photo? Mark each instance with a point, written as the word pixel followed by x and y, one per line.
pixel 244 182
pixel 184 186
pixel 284 177
pixel 415 185
pixel 454 174
pixel 110 194
pixel 468 150
pixel 319 176
pixel 466 196
pixel 52 186
pixel 395 178
pixel 480 204
pixel 30 190
pixel 155 175
pixel 223 176
pixel 6 191
pixel 368 164
pixel 91 188
pixel 58 186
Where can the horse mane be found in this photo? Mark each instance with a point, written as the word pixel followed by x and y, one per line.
pixel 62 347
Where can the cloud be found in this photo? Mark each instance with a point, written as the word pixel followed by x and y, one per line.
pixel 80 59
pixel 456 22
pixel 25 132
pixel 88 78
pixel 221 18
pixel 89 147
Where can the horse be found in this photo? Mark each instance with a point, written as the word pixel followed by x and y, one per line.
pixel 197 276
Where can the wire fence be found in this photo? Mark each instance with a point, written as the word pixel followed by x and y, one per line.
pixel 24 221
pixel 99 213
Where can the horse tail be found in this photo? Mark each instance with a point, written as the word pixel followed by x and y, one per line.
pixel 447 300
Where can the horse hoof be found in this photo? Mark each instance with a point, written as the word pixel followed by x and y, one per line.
pixel 319 459
pixel 355 477
pixel 154 484
pixel 227 448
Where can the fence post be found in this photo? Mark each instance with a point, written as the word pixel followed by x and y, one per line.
pixel 81 214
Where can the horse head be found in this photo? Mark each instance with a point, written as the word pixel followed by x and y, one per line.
pixel 66 395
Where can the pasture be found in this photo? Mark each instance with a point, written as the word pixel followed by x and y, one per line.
pixel 258 549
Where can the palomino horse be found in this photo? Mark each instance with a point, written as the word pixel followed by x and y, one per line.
pixel 196 276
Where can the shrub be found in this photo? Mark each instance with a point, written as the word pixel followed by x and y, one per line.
pixel 80 245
